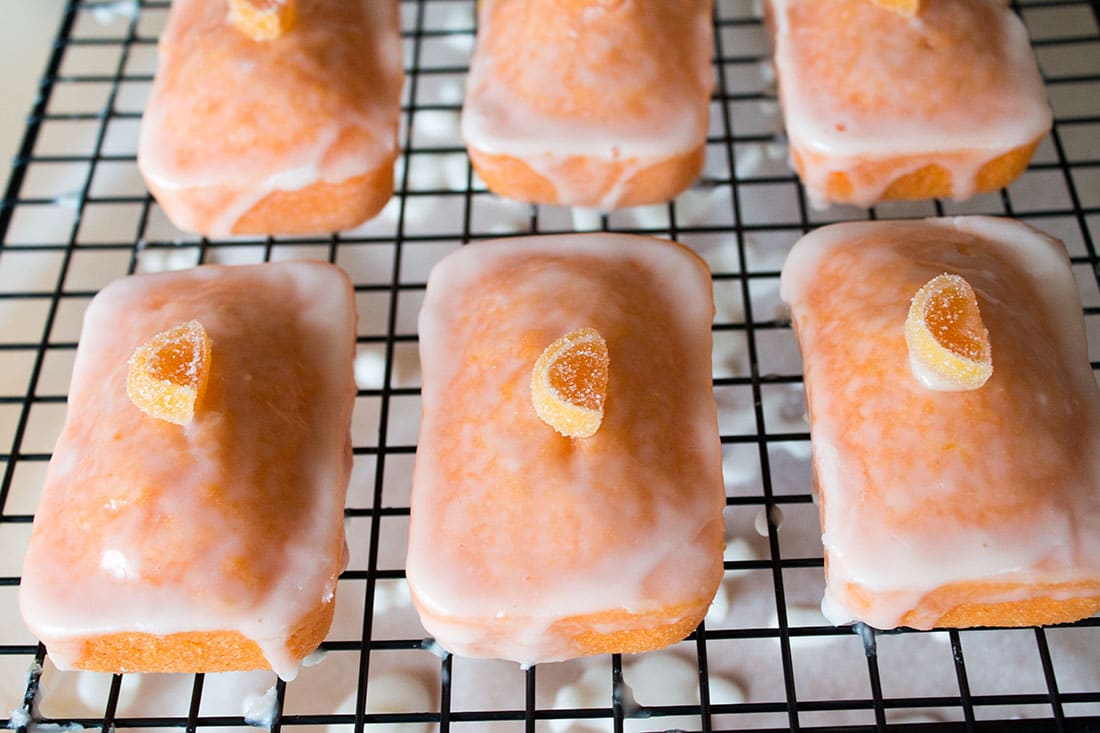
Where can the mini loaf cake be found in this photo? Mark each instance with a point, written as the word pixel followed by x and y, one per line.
pixel 567 496
pixel 940 100
pixel 955 423
pixel 598 104
pixel 284 125
pixel 192 514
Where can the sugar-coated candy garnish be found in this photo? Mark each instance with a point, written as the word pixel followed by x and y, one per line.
pixel 908 8
pixel 569 383
pixel 168 373
pixel 948 343
pixel 262 20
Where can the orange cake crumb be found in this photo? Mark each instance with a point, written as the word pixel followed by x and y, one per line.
pixel 262 20
pixel 168 373
pixel 569 383
pixel 948 343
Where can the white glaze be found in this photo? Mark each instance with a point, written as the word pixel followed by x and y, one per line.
pixel 260 710
pixel 923 488
pixel 148 527
pixel 931 99
pixel 931 378
pixel 499 117
pixel 514 527
pixel 106 13
pixel 719 607
pixel 313 106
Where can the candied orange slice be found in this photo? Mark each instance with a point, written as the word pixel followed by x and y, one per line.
pixel 168 373
pixel 948 343
pixel 569 383
pixel 908 8
pixel 262 20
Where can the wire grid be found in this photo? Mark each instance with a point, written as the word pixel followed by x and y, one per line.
pixel 76 215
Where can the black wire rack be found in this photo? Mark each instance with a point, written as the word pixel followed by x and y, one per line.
pixel 76 215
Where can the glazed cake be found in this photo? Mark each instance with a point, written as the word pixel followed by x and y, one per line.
pixel 212 542
pixel 879 106
pixel 293 134
pixel 591 104
pixel 956 498
pixel 530 545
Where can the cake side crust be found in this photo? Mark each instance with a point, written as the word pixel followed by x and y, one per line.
pixel 925 177
pixel 318 208
pixel 196 651
pixel 630 182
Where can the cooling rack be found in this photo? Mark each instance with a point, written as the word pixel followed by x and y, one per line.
pixel 76 215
